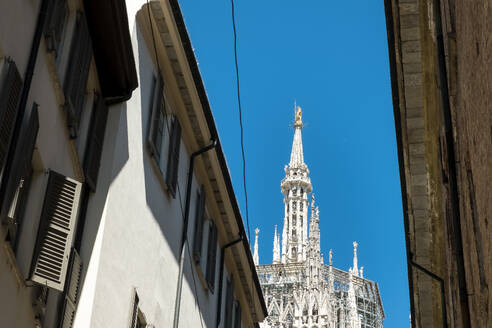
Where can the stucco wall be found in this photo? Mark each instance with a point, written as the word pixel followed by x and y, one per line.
pixel 137 241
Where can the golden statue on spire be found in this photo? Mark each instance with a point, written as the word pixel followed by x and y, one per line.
pixel 298 121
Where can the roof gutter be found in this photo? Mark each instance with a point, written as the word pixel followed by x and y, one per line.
pixel 185 40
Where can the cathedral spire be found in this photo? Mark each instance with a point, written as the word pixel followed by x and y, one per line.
pixel 354 268
pixel 297 155
pixel 256 258
pixel 276 247
pixel 296 186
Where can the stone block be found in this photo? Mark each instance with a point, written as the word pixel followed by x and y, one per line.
pixel 413 96
pixel 413 79
pixel 419 180
pixel 415 123
pixel 411 57
pixel 417 169
pixel 419 190
pixel 412 33
pixel 416 136
pixel 412 68
pixel 415 112
pixel 417 149
pixel 410 46
pixel 408 8
pixel 420 202
pixel 407 21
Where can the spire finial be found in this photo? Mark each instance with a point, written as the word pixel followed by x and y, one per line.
pixel 361 272
pixel 276 247
pixel 355 270
pixel 298 121
pixel 331 257
pixel 256 258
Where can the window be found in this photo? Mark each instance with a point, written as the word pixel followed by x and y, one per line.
pixel 198 233
pixel 164 138
pixel 77 74
pixel 294 206
pixel 138 318
pixel 55 25
pixel 20 178
pixel 95 140
pixel 71 291
pixel 211 256
pixel 228 323
pixel 301 206
pixel 10 89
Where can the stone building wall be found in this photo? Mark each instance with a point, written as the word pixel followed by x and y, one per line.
pixel 441 79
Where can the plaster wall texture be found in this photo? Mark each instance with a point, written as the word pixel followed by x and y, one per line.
pixel 53 150
pixel 138 237
pixel 132 229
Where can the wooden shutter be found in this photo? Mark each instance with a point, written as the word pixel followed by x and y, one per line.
pixel 77 73
pixel 56 231
pixel 134 318
pixel 57 14
pixel 10 90
pixel 18 183
pixel 156 129
pixel 228 304
pixel 173 157
pixel 93 152
pixel 237 314
pixel 72 290
pixel 198 235
pixel 211 256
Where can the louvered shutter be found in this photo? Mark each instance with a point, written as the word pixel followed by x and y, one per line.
pixel 92 158
pixel 77 73
pixel 57 14
pixel 10 90
pixel 134 319
pixel 237 314
pixel 56 230
pixel 18 182
pixel 198 235
pixel 173 158
pixel 211 256
pixel 72 290
pixel 228 304
pixel 156 130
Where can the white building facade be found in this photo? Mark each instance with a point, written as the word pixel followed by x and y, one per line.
pixel 116 204
pixel 299 289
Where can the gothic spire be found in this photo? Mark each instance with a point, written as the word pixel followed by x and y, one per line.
pixel 297 155
pixel 296 186
pixel 354 268
pixel 276 247
pixel 256 258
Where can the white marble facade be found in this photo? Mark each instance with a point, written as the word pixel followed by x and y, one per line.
pixel 299 289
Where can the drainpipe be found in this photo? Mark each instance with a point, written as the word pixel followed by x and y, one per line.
pixel 441 285
pixel 184 233
pixel 38 33
pixel 221 276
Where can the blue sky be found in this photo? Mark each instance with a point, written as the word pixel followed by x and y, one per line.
pixel 332 58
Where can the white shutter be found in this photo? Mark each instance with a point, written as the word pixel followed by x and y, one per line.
pixel 56 231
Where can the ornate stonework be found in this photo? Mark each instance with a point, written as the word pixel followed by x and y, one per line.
pixel 299 289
